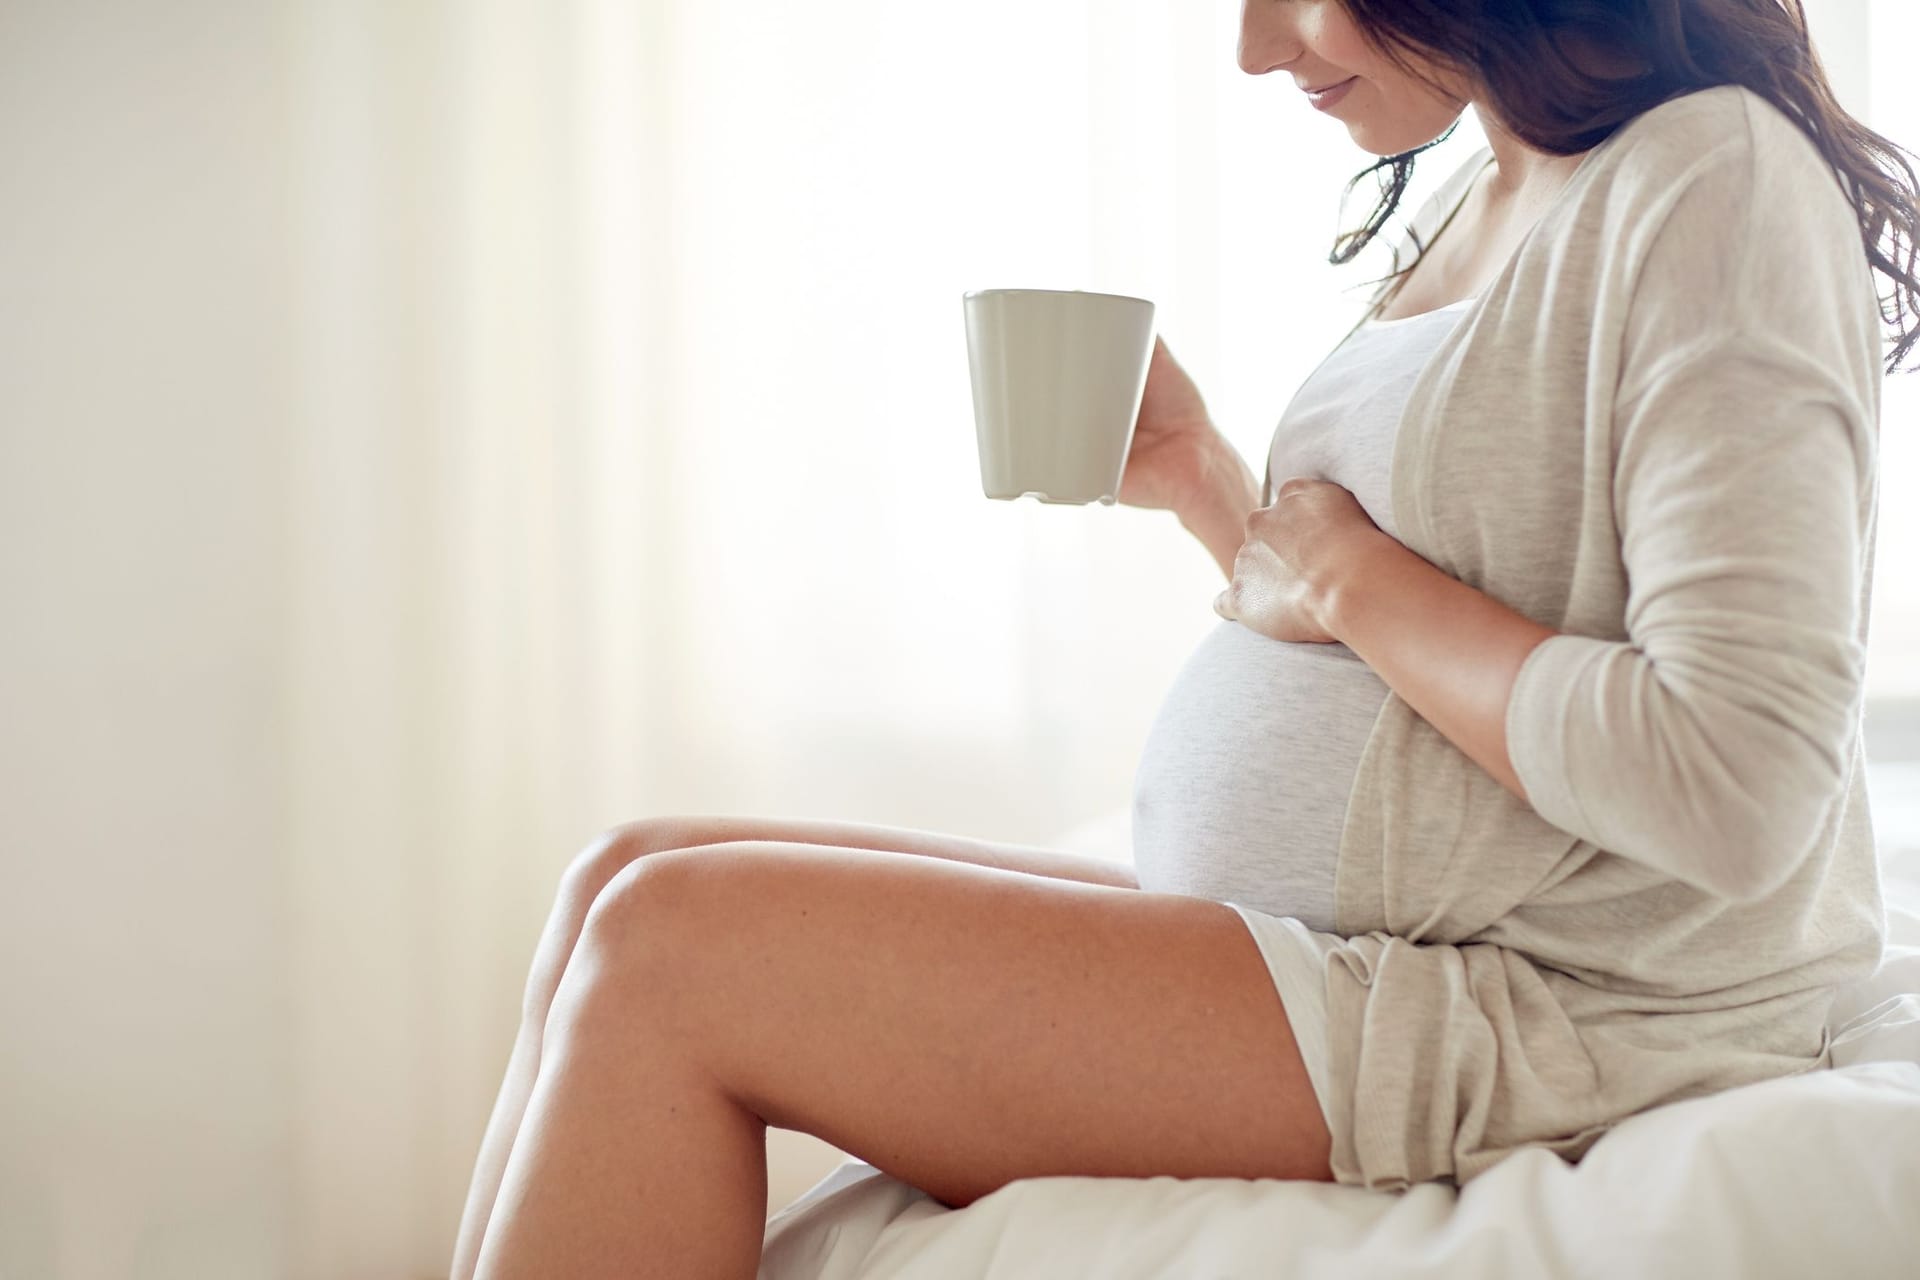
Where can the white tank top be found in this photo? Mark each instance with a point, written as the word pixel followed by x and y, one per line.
pixel 1241 790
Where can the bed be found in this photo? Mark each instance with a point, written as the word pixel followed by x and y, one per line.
pixel 1813 1175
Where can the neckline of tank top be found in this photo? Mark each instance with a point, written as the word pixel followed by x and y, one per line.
pixel 1397 321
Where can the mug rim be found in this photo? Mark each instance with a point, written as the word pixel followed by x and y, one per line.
pixel 1090 293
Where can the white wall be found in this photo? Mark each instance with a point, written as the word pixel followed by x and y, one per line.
pixel 143 1009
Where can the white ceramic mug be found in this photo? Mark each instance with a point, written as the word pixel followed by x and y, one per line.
pixel 1057 381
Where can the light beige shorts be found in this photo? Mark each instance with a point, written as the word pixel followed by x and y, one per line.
pixel 1297 960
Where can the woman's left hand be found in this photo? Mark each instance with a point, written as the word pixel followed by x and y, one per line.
pixel 1297 553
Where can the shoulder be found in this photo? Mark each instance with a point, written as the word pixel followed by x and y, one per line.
pixel 1731 150
pixel 1717 222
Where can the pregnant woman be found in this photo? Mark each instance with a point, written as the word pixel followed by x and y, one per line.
pixel 1518 788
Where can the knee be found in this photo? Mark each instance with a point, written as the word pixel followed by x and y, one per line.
pixel 616 849
pixel 630 936
pixel 634 902
pixel 588 876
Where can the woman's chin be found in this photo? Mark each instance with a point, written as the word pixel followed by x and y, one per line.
pixel 1374 149
pixel 1373 140
pixel 1395 141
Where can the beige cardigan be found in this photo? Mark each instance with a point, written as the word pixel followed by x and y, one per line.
pixel 1657 433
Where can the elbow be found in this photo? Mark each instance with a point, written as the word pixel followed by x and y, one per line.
pixel 1761 770
pixel 1692 768
pixel 1751 871
pixel 1754 837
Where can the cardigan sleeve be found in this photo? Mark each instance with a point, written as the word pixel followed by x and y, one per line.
pixel 1711 742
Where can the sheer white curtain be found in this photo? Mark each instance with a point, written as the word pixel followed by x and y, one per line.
pixel 496 420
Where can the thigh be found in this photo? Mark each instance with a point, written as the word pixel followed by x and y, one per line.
pixel 1026 858
pixel 594 868
pixel 621 847
pixel 961 1026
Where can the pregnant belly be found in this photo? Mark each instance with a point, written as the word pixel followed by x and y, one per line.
pixel 1241 790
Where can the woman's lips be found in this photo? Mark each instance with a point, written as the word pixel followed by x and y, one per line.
pixel 1332 94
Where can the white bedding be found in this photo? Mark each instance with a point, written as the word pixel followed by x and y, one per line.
pixel 1814 1175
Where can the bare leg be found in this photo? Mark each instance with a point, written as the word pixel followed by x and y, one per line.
pixel 960 1028
pixel 597 866
pixel 683 1171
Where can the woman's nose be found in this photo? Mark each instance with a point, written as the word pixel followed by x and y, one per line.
pixel 1268 37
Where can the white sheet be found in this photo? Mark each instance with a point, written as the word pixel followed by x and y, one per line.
pixel 1815 1175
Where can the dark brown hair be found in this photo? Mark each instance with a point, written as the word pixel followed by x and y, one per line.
pixel 1522 53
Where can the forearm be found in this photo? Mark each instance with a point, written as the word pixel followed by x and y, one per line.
pixel 1450 651
pixel 1218 516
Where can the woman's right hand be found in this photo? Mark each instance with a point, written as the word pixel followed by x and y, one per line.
pixel 1167 462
